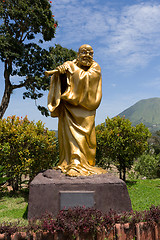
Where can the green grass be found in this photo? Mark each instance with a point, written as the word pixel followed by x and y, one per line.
pixel 13 206
pixel 143 194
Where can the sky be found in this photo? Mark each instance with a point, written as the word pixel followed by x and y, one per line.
pixel 125 37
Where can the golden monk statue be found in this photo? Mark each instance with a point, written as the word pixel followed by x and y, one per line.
pixel 75 94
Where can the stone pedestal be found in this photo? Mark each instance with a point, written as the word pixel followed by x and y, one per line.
pixel 52 191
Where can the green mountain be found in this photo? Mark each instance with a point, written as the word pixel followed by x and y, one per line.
pixel 146 111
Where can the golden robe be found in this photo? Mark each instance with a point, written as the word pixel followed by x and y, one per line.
pixel 73 98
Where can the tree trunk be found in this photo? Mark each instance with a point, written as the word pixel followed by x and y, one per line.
pixel 120 174
pixel 8 87
pixel 124 174
pixel 5 99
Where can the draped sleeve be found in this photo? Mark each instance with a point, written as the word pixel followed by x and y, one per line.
pixel 54 95
pixel 85 87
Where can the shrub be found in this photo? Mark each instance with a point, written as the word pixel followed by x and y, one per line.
pixel 152 215
pixel 8 228
pixel 26 148
pixel 147 166
pixel 78 220
pixel 82 221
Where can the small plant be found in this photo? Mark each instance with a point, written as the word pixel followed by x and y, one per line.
pixel 8 228
pixel 152 215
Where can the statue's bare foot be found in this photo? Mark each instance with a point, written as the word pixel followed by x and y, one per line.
pixel 75 169
pixel 73 173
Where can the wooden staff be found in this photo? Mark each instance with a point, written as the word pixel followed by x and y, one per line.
pixel 51 72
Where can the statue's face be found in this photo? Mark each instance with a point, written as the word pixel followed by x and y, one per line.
pixel 85 55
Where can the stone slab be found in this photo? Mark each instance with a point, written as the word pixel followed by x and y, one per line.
pixel 44 192
pixel 70 199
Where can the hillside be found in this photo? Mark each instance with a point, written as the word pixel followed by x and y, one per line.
pixel 146 111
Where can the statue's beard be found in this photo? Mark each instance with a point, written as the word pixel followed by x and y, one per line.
pixel 87 61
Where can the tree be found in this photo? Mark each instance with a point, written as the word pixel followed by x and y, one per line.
pixel 119 140
pixel 22 56
pixel 26 148
pixel 53 58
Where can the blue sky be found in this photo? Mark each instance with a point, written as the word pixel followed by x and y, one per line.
pixel 125 36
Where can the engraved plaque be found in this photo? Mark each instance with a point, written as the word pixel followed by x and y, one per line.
pixel 76 198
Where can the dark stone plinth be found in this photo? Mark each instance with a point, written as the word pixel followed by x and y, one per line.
pixel 47 188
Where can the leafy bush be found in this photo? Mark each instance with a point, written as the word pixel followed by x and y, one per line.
pixel 147 166
pixel 152 215
pixel 8 228
pixel 82 221
pixel 26 148
pixel 79 220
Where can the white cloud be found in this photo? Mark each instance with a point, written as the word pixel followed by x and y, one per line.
pixel 81 22
pixel 136 38
pixel 128 37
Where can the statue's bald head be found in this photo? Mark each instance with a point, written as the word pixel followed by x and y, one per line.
pixel 85 55
pixel 85 46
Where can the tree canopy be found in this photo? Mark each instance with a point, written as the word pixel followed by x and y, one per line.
pixel 120 141
pixel 25 25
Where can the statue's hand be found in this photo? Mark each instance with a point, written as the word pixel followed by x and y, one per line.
pixel 63 68
pixel 50 107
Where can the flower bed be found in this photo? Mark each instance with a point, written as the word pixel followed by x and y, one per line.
pixel 88 224
pixel 140 231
